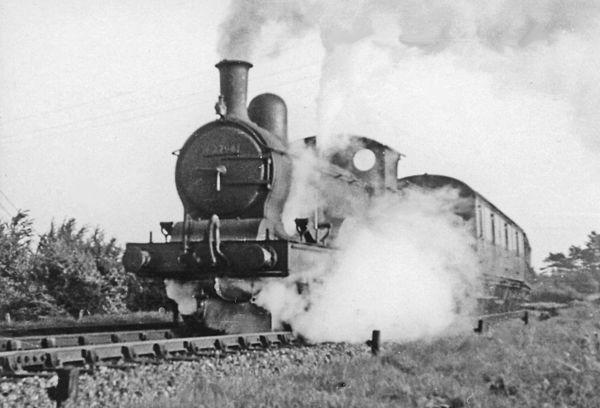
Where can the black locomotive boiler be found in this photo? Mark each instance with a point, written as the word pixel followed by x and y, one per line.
pixel 233 176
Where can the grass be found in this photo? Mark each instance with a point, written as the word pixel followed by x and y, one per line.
pixel 551 363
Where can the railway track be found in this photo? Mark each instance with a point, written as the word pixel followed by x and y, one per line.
pixel 49 352
pixel 82 339
pixel 85 328
pixel 483 321
pixel 120 350
pixel 138 351
pixel 66 355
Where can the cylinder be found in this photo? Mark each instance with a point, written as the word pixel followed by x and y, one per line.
pixel 234 86
pixel 250 258
pixel 135 258
pixel 269 112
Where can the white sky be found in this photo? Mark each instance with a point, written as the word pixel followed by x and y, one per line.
pixel 95 95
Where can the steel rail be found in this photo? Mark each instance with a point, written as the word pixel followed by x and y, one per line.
pixel 84 328
pixel 12 362
pixel 80 339
pixel 483 321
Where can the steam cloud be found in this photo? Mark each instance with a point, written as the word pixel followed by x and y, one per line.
pixel 248 22
pixel 505 90
pixel 547 46
pixel 403 264
pixel 407 268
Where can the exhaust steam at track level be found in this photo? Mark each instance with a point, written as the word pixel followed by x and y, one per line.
pixel 407 269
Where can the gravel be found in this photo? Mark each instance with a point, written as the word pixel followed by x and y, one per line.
pixel 132 385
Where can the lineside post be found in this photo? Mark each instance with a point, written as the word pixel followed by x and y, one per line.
pixel 374 342
pixel 479 328
pixel 66 388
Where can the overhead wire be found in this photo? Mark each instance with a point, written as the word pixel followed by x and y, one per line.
pixel 183 96
pixel 6 211
pixel 22 145
pixel 127 93
pixel 154 112
pixel 104 115
pixel 91 102
pixel 8 200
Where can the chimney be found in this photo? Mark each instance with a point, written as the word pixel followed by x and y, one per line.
pixel 234 87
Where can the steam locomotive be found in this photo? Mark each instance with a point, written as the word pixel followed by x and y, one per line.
pixel 233 176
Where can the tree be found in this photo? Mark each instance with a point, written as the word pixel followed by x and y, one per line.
pixel 81 271
pixel 591 254
pixel 15 240
pixel 23 296
pixel 580 269
pixel 559 261
pixel 72 269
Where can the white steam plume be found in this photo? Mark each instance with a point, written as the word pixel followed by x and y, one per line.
pixel 544 45
pixel 548 47
pixel 253 22
pixel 406 268
pixel 503 90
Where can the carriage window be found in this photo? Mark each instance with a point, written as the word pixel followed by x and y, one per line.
pixel 517 241
pixel 493 228
pixel 480 217
pixel 506 235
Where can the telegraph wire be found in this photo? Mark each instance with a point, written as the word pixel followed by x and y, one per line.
pixel 8 200
pixel 140 93
pixel 74 124
pixel 104 115
pixel 96 100
pixel 6 211
pixel 77 125
pixel 177 98
pixel 107 124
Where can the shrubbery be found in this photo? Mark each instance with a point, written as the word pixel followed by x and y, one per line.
pixel 72 269
pixel 22 294
pixel 549 290
pixel 80 270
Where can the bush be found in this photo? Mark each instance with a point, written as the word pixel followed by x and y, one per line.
pixel 81 272
pixel 554 294
pixel 72 270
pixel 23 296
pixel 579 268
